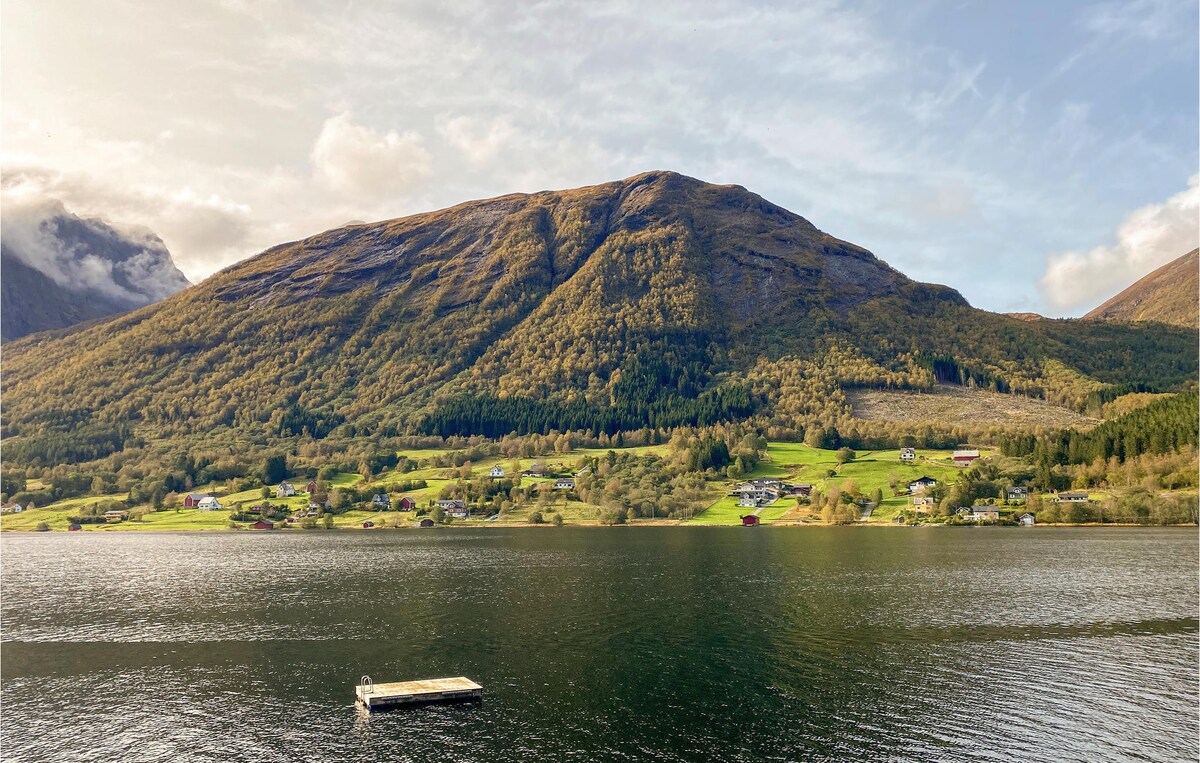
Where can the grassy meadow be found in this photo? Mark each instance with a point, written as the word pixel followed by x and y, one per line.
pixel 794 462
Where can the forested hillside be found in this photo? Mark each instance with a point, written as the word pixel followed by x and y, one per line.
pixel 654 302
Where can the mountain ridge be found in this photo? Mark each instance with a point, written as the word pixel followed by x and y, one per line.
pixel 658 300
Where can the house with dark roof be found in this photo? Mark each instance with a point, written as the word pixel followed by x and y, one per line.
pixel 1071 497
pixel 921 484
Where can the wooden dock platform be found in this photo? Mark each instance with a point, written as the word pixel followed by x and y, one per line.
pixel 375 696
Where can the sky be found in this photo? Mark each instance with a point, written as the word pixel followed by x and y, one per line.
pixel 1036 156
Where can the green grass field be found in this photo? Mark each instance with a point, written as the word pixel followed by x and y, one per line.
pixel 795 462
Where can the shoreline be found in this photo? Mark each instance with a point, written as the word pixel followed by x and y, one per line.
pixel 595 526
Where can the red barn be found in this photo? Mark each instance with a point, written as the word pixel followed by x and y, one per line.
pixel 406 504
pixel 192 500
pixel 310 488
pixel 749 521
pixel 965 457
pixel 263 524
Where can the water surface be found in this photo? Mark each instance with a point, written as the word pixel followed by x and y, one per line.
pixel 664 644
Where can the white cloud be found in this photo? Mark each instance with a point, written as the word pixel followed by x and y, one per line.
pixel 87 255
pixel 1148 238
pixel 361 162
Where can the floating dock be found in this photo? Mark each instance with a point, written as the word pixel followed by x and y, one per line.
pixel 375 696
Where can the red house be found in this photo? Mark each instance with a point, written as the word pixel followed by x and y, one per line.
pixel 406 504
pixel 749 521
pixel 192 500
pixel 75 526
pixel 263 524
pixel 310 488
pixel 368 525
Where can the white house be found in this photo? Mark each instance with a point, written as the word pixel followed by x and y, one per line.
pixel 908 455
pixel 285 490
pixel 748 501
pixel 453 507
pixel 921 484
pixel 497 471
pixel 208 503
pixel 1028 520
pixel 984 514
pixel 564 483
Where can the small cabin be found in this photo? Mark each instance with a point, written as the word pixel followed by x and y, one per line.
pixel 804 490
pixel 368 525
pixel 116 515
pixel 908 455
pixel 1028 520
pixel 263 524
pixel 749 521
pixel 74 526
pixel 426 522
pixel 1071 497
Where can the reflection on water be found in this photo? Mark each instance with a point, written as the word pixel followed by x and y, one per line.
pixel 664 644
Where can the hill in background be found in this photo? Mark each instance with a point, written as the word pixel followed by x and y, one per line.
pixel 655 301
pixel 1170 294
pixel 60 269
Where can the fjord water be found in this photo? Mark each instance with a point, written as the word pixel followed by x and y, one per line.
pixel 664 644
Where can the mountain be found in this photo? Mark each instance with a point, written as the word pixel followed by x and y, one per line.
pixel 655 301
pixel 60 269
pixel 1170 294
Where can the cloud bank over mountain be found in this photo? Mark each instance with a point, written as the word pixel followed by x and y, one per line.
pixel 59 269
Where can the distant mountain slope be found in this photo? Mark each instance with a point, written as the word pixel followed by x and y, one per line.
pixel 658 300
pixel 1170 294
pixel 57 269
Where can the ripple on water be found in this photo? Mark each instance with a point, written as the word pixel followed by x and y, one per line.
pixel 682 645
